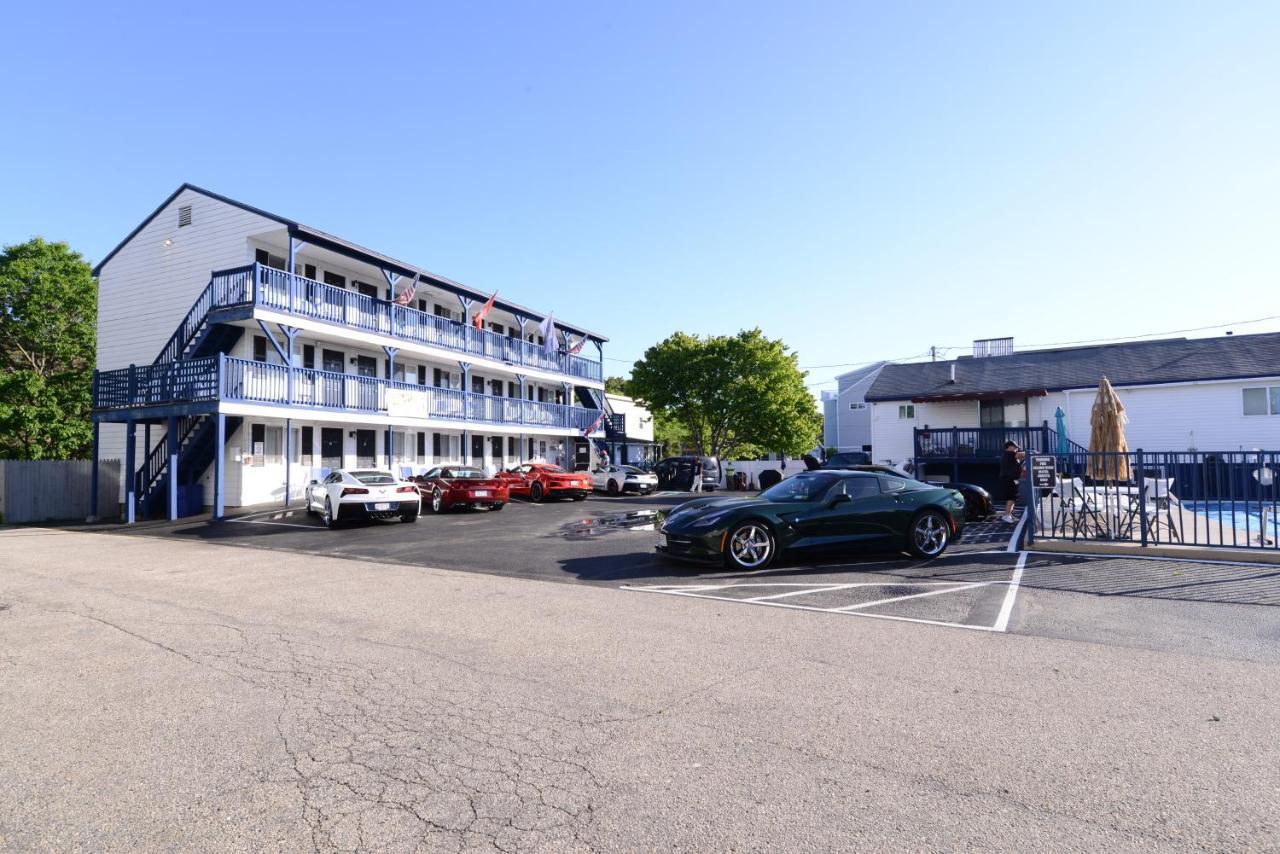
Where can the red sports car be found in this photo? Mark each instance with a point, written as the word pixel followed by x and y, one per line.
pixel 446 487
pixel 543 480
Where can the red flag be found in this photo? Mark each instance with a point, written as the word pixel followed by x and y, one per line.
pixel 488 307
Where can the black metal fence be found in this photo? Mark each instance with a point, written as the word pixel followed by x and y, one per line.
pixel 1227 499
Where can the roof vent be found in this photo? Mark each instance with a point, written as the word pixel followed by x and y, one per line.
pixel 184 216
pixel 985 347
pixel 953 374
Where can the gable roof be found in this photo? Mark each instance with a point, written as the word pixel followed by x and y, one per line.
pixel 320 238
pixel 1037 372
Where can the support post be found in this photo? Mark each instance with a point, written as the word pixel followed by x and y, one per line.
pixel 1141 499
pixel 466 389
pixel 392 278
pixel 388 448
pixel 288 450
pixel 93 484
pixel 171 439
pixel 130 480
pixel 520 410
pixel 466 448
pixel 291 334
pixel 219 469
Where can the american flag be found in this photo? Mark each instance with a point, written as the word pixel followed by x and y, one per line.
pixel 484 311
pixel 577 348
pixel 407 295
pixel 595 426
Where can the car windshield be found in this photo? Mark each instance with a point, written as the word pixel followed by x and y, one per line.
pixel 464 474
pixel 552 469
pixel 802 487
pixel 631 470
pixel 373 478
pixel 849 458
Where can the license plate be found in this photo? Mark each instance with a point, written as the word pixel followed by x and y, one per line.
pixel 661 540
pixel 481 493
pixel 382 506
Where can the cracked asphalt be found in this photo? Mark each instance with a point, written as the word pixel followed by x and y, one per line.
pixel 169 693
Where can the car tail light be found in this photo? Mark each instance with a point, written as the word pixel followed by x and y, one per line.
pixel 406 489
pixel 353 490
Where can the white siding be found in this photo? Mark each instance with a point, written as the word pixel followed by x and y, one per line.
pixel 639 420
pixel 146 289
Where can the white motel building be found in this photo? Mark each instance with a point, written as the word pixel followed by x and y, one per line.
pixel 241 354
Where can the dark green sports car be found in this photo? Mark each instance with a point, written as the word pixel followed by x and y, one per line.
pixel 815 510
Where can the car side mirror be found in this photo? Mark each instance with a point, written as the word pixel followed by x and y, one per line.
pixel 839 498
pixel 315 483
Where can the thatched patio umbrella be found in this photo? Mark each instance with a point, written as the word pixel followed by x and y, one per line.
pixel 1108 460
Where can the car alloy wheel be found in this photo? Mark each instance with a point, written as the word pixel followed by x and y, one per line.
pixel 751 546
pixel 929 535
pixel 535 492
pixel 437 501
pixel 330 520
pixel 613 488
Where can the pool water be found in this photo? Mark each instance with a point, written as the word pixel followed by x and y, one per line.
pixel 1244 516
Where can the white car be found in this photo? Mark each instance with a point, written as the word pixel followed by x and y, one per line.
pixel 363 494
pixel 616 480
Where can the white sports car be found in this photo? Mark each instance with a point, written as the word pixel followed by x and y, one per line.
pixel 618 479
pixel 364 494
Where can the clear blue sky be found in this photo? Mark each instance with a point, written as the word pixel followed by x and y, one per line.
pixel 861 180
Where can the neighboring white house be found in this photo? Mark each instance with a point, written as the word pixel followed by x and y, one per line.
pixel 307 353
pixel 846 414
pixel 1202 394
pixel 629 434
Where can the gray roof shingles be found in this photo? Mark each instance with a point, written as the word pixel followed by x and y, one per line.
pixel 1135 363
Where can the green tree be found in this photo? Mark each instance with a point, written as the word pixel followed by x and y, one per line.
pixel 48 316
pixel 616 385
pixel 734 396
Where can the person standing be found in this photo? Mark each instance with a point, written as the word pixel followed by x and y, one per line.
pixel 1010 474
pixel 695 476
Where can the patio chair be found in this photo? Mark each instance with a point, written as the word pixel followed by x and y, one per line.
pixel 1158 503
pixel 1078 509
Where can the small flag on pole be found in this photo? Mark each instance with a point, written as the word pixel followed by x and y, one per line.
pixel 406 296
pixel 484 311
pixel 594 427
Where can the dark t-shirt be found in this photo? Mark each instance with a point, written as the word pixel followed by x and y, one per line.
pixel 1010 468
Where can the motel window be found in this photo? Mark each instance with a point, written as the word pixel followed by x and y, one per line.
pixel 366 288
pixel 309 271
pixel 397 445
pixel 1262 401
pixel 309 356
pixel 307 444
pixel 856 406
pixel 511 446
pixel 267 442
pixel 422 375
pixel 422 448
pixel 436 447
pixel 259 348
pixel 266 259
pixel 907 411
pixel 334 279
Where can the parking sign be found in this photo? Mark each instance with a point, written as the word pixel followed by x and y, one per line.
pixel 1043 471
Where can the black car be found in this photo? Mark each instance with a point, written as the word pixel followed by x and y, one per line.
pixel 677 472
pixel 815 510
pixel 844 459
pixel 977 501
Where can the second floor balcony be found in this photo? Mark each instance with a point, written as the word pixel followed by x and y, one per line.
pixel 200 385
pixel 259 286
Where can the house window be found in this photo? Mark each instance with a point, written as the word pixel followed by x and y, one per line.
pixel 856 406
pixel 1262 401
pixel 259 348
pixel 907 411
pixel 266 259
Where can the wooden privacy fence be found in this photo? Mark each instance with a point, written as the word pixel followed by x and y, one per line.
pixel 57 490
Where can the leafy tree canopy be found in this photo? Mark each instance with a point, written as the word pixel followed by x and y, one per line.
pixel 48 316
pixel 734 396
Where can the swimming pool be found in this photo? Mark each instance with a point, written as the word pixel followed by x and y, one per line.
pixel 1241 515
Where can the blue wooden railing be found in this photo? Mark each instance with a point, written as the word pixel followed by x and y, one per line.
pixel 985 442
pixel 228 379
pixel 296 295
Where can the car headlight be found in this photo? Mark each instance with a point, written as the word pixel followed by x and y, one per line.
pixel 708 521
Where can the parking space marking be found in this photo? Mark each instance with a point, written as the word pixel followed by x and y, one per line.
pixel 715 592
pixel 1006 607
pixel 275 515
pixel 953 588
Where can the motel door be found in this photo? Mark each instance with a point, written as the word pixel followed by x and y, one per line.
pixel 477 450
pixel 366 448
pixel 582 455
pixel 331 447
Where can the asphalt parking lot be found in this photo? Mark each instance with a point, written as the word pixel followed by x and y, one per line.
pixel 980 584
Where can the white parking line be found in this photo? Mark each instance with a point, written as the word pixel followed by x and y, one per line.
pixel 1006 607
pixel 953 589
pixel 1017 532
pixel 803 592
pixel 275 515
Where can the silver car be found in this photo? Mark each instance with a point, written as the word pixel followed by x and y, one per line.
pixel 363 494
